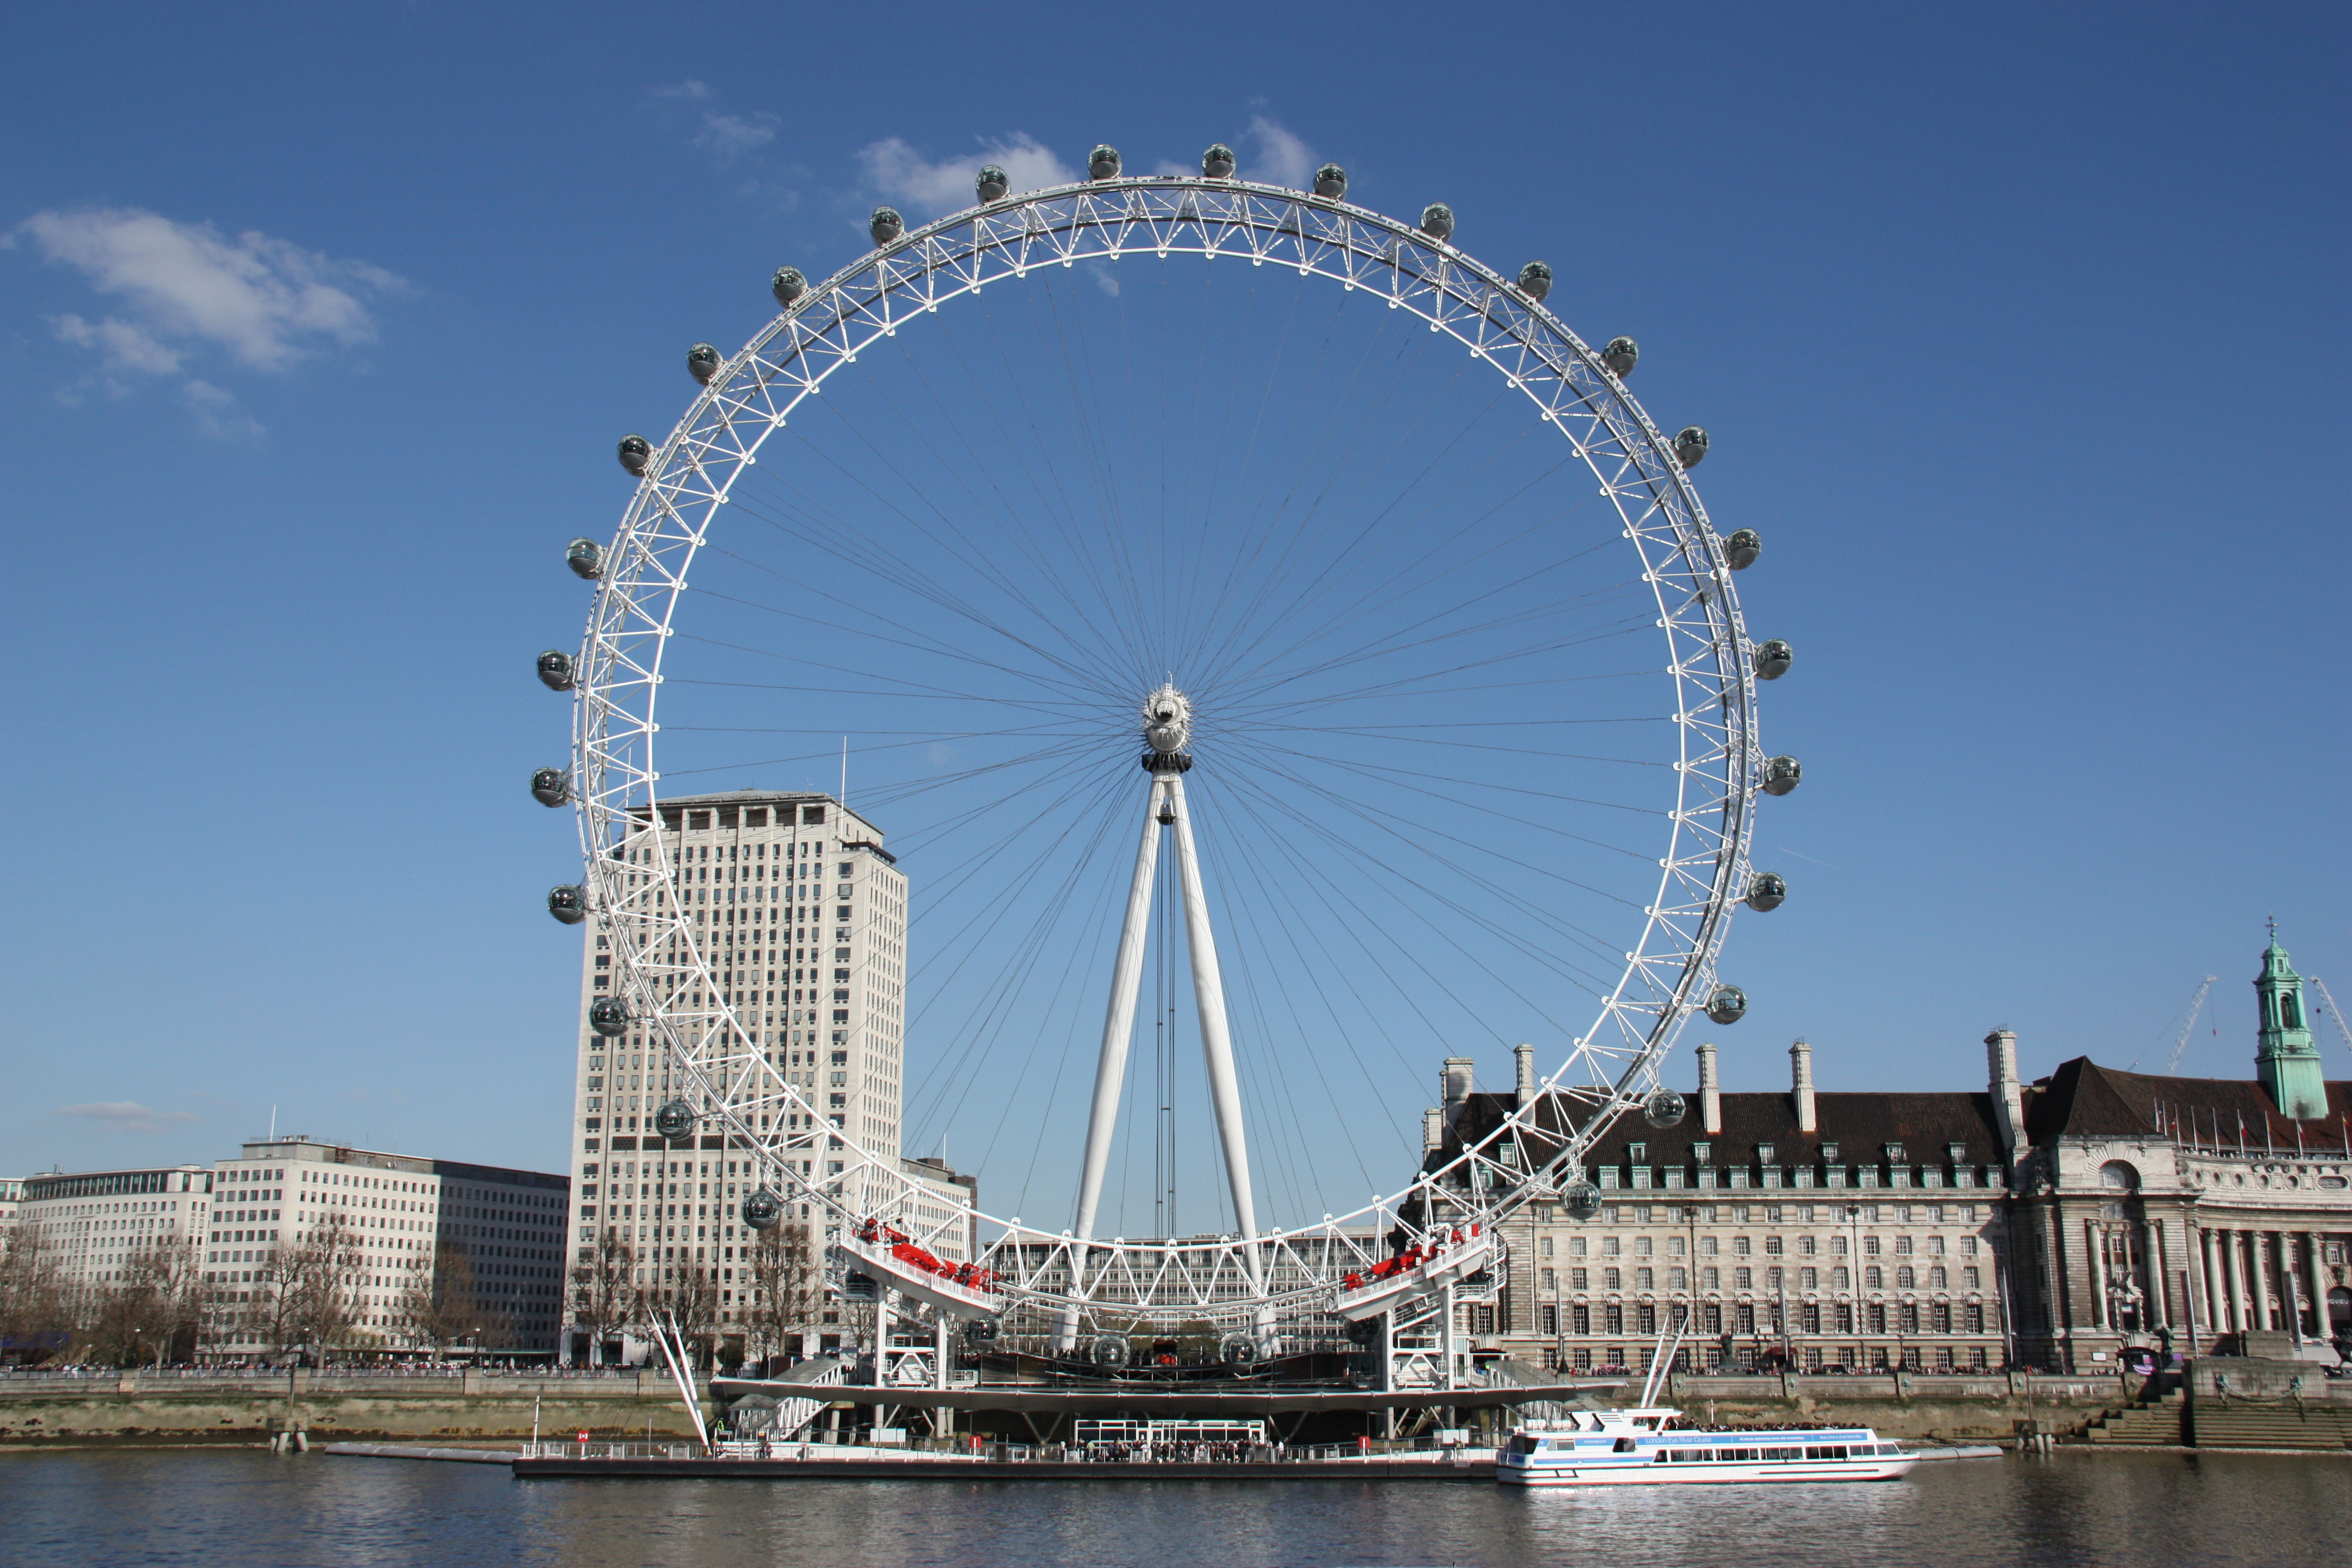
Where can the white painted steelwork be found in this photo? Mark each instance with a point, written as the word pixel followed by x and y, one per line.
pixel 1703 866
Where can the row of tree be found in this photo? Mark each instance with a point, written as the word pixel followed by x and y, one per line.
pixel 777 1294
pixel 303 1300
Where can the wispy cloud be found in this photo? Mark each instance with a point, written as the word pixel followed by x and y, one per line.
pixel 187 289
pixel 922 189
pixel 731 135
pixel 1282 158
pixel 124 1115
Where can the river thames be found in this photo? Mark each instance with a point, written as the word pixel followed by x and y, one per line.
pixel 261 1510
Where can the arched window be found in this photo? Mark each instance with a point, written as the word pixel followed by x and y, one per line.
pixel 2120 1175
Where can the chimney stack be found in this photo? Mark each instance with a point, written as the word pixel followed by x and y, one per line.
pixel 1433 1131
pixel 1527 1084
pixel 2008 1099
pixel 1456 1080
pixel 1710 1093
pixel 1801 1059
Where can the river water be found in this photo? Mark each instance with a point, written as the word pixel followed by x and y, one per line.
pixel 261 1510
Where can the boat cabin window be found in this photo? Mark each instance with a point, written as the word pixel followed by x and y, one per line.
pixel 1624 1446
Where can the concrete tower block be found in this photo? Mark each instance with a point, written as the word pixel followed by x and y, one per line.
pixel 1710 1093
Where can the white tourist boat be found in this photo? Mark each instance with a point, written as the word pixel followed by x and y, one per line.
pixel 1646 1447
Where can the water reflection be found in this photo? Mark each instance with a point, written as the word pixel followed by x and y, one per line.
pixel 258 1511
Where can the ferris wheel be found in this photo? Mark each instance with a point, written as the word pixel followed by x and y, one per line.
pixel 1186 554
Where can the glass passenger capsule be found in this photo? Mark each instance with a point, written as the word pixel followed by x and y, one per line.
pixel 1217 162
pixel 1238 1350
pixel 1581 1200
pixel 1727 1004
pixel 673 1120
pixel 702 362
pixel 555 670
pixel 886 225
pixel 1534 280
pixel 1621 356
pixel 1773 658
pixel 635 453
pixel 551 787
pixel 1102 163
pixel 1331 180
pixel 1765 890
pixel 1741 549
pixel 1783 775
pixel 762 1209
pixel 609 1017
pixel 788 284
pixel 585 557
pixel 568 904
pixel 1690 446
pixel 991 184
pixel 1437 221
pixel 1663 1108
pixel 1108 1350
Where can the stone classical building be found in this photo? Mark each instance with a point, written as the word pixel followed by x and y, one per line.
pixel 2053 1223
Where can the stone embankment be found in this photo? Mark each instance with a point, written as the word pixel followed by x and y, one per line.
pixel 171 1407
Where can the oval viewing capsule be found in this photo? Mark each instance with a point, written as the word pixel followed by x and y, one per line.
pixel 1437 221
pixel 555 670
pixel 762 1209
pixel 1727 1004
pixel 1690 446
pixel 1663 1108
pixel 674 1119
pixel 551 787
pixel 585 557
pixel 991 184
pixel 635 453
pixel 1621 356
pixel 1765 889
pixel 1740 550
pixel 1102 163
pixel 1331 181
pixel 1582 1200
pixel 609 1017
pixel 788 284
pixel 1534 280
pixel 1773 658
pixel 702 361
pixel 886 225
pixel 1217 162
pixel 1783 775
pixel 568 904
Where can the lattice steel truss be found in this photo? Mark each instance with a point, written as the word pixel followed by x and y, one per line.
pixel 1704 867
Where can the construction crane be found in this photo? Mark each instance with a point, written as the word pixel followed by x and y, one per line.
pixel 2196 1007
pixel 2334 1013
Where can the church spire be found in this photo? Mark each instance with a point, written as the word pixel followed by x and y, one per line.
pixel 2287 1059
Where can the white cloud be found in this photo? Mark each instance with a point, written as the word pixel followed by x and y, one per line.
pixel 264 301
pixel 187 289
pixel 689 89
pixel 924 189
pixel 218 414
pixel 124 1115
pixel 729 134
pixel 1282 158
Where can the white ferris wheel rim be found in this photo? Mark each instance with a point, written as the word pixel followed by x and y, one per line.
pixel 1703 873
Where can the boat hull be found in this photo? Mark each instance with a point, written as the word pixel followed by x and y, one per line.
pixel 1602 1473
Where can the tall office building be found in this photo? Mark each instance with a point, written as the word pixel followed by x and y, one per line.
pixel 93 1223
pixel 800 916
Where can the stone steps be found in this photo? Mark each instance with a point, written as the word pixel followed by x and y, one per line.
pixel 2157 1424
pixel 2318 1427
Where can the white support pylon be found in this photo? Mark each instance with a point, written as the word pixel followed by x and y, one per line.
pixel 1167 722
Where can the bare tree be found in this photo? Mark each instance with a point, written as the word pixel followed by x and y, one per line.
pixel 436 1304
pixel 306 1301
pixel 787 1285
pixel 151 1313
pixel 37 1309
pixel 688 1294
pixel 604 1295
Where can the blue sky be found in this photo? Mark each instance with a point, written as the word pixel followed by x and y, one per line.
pixel 2019 331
